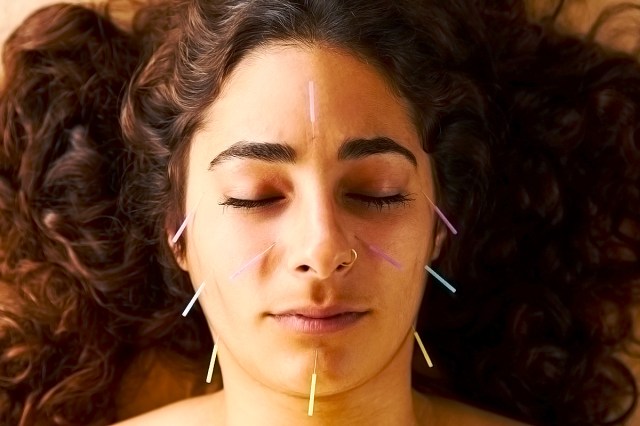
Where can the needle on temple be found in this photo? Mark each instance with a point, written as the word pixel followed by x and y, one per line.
pixel 312 392
pixel 442 216
pixel 186 220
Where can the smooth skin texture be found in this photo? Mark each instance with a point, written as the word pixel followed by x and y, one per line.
pixel 316 200
pixel 318 207
pixel 577 16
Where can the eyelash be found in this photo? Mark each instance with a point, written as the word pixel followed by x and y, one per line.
pixel 380 202
pixel 239 203
pixel 371 202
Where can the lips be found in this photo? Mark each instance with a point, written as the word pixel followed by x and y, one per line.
pixel 318 321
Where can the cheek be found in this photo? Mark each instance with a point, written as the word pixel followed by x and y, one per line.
pixel 402 242
pixel 220 251
pixel 402 287
pixel 393 256
pixel 222 242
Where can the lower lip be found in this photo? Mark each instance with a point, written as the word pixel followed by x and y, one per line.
pixel 308 325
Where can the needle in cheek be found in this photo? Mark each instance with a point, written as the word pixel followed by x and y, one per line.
pixel 380 253
pixel 437 276
pixel 197 294
pixel 250 263
pixel 193 299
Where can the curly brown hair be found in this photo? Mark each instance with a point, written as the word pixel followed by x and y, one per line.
pixel 534 136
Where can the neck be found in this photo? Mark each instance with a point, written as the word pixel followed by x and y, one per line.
pixel 385 398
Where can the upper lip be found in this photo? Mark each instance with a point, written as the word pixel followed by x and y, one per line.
pixel 318 312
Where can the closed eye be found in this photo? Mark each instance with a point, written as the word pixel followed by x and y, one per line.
pixel 397 200
pixel 239 203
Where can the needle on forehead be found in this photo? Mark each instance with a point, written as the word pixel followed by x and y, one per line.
pixel 312 108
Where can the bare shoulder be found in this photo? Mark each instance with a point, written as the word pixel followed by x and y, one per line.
pixel 201 410
pixel 447 412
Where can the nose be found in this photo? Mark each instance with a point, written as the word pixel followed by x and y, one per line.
pixel 318 245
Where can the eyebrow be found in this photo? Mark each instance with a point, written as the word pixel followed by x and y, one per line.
pixel 352 149
pixel 269 152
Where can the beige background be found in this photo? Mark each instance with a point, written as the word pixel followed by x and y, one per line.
pixel 12 12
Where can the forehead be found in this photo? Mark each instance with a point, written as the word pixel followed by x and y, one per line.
pixel 268 96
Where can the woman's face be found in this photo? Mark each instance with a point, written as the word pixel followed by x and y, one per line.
pixel 304 173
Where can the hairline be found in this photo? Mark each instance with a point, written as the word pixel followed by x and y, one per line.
pixel 300 42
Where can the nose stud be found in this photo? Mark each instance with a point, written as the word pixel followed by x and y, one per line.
pixel 354 257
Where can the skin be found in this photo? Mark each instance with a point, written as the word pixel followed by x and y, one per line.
pixel 315 213
pixel 316 218
pixel 149 395
pixel 576 18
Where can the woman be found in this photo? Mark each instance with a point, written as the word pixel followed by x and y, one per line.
pixel 298 165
